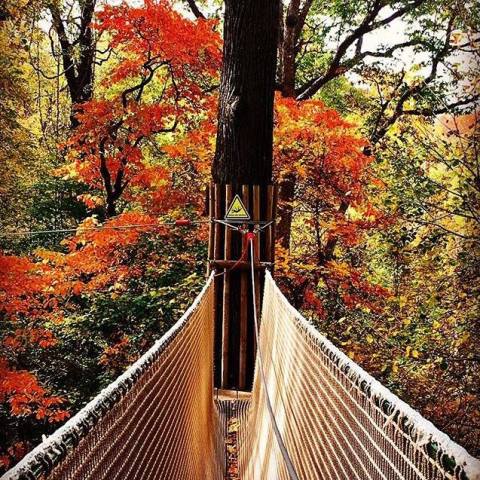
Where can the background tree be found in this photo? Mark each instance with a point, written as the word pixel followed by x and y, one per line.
pixel 166 70
pixel 321 43
pixel 72 24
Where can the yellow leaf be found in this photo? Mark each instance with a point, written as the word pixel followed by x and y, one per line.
pixel 369 338
pixel 407 351
pixel 463 339
pixel 415 353
pixel 233 425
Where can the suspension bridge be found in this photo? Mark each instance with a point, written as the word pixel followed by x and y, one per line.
pixel 312 413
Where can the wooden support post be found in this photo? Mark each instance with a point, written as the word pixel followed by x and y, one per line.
pixel 256 255
pixel 242 375
pixel 274 224
pixel 269 216
pixel 216 249
pixel 211 231
pixel 235 347
pixel 226 296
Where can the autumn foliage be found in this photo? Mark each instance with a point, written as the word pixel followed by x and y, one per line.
pixel 24 300
pixel 397 296
pixel 161 83
pixel 324 156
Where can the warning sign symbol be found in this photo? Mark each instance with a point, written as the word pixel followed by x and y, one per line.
pixel 237 210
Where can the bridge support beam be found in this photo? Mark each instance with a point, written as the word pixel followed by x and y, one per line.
pixel 234 325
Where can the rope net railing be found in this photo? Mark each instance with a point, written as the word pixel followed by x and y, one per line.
pixel 313 415
pixel 335 421
pixel 156 421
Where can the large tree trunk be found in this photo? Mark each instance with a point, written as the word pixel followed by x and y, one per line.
pixel 243 152
pixel 243 156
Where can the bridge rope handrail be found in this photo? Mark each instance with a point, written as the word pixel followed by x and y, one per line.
pixel 45 456
pixel 331 419
pixel 260 367
pixel 446 455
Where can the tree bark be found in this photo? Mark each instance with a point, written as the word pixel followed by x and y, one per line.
pixel 286 195
pixel 243 156
pixel 243 153
pixel 288 57
pixel 78 63
pixel 288 53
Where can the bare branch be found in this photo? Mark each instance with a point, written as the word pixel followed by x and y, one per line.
pixel 431 111
pixel 195 10
pixel 338 66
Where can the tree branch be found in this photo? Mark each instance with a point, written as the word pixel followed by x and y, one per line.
pixel 368 24
pixel 67 59
pixel 359 56
pixel 416 88
pixel 431 111
pixel 195 10
pixel 302 17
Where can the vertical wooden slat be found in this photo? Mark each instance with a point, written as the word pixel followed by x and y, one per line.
pixel 269 217
pixel 256 218
pixel 257 244
pixel 226 297
pixel 242 372
pixel 211 234
pixel 217 214
pixel 228 231
pixel 218 282
pixel 274 224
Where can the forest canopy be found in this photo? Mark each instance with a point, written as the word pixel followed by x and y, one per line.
pixel 108 118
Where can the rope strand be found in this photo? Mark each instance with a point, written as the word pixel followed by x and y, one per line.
pixel 286 457
pixel 176 223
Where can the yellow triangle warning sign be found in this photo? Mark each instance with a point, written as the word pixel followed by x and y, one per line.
pixel 237 210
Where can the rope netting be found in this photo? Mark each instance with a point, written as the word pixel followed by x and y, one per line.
pixel 313 415
pixel 156 421
pixel 334 420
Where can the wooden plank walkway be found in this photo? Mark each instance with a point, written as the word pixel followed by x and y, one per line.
pixel 232 406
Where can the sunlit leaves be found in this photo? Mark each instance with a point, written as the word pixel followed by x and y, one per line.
pixel 166 67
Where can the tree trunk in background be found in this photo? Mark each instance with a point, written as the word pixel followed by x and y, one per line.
pixel 288 183
pixel 286 195
pixel 243 152
pixel 78 55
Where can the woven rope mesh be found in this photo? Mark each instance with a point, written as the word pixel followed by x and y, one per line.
pixel 335 420
pixel 159 420
pixel 163 426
